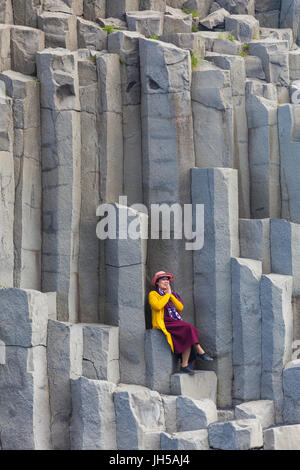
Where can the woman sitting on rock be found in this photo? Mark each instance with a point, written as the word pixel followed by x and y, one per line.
pixel 166 307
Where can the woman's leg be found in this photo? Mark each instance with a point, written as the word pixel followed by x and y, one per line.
pixel 185 357
pixel 199 349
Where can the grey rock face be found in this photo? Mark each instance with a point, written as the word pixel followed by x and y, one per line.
pixel 246 325
pixel 195 414
pixel 282 438
pixel 264 155
pixel 186 440
pixel 64 362
pixel 93 9
pixel 291 401
pixel 263 410
pixel 217 18
pixel 138 411
pixel 241 434
pixel 277 336
pixel 222 240
pixel 24 407
pixel 25 42
pixel 201 385
pixel 93 423
pixel 160 362
pixel 255 241
pixel 148 23
pixel 8 190
pixel 25 94
pixel 243 27
pixel 125 267
pixel 61 169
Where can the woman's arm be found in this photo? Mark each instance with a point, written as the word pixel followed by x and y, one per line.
pixel 156 301
pixel 176 302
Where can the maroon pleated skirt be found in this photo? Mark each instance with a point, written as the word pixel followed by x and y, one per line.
pixel 183 334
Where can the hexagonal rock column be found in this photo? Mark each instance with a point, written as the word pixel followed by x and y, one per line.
pixel 101 352
pixel 6 12
pixel 246 328
pixel 265 196
pixel 242 434
pixel 89 247
pixel 5 54
pixel 61 171
pixel 263 410
pixel 25 13
pixel 138 411
pixel 24 91
pixel 185 440
pixel 7 185
pixel 275 59
pixel 288 124
pixel 24 404
pixel 243 27
pixel 111 128
pixel 93 9
pixel 216 188
pixel 125 258
pixel 290 17
pixel 195 414
pixel 93 422
pixel 203 384
pixel 282 438
pixel 255 241
pixel 60 29
pixel 291 392
pixel 167 119
pixel 277 336
pixel 126 45
pixel 236 66
pixel 64 6
pixel 25 42
pixel 118 8
pixel 64 357
pixel 285 241
pixel 160 362
pixel 212 116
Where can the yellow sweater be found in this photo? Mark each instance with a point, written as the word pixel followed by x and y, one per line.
pixel 157 303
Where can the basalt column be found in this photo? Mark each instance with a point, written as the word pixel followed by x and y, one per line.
pixel 216 188
pixel 168 154
pixel 61 166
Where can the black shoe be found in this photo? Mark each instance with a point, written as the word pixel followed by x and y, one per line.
pixel 187 370
pixel 204 357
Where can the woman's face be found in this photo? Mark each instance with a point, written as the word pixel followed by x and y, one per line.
pixel 163 284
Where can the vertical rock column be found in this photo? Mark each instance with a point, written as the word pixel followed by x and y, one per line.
pixel 125 259
pixel 168 155
pixel 246 329
pixel 126 44
pixel 64 356
pixel 236 65
pixel 24 91
pixel 24 403
pixel 285 259
pixel 61 168
pixel 216 188
pixel 110 143
pixel 288 130
pixel 90 184
pixel 213 116
pixel 7 186
pixel 263 155
pixel 277 336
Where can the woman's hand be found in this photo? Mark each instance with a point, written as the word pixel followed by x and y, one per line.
pixel 168 289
